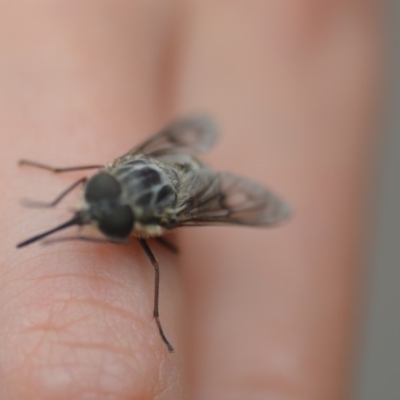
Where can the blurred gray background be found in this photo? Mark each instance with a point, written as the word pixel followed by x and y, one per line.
pixel 379 373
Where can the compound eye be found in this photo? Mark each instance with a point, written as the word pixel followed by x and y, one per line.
pixel 102 186
pixel 118 223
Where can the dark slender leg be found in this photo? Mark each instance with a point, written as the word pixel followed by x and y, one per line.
pixel 167 244
pixel 56 169
pixel 77 238
pixel 29 203
pixel 154 261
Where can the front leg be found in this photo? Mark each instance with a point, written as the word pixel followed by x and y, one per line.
pixel 39 204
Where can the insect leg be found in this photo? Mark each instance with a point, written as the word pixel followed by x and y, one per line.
pixel 167 244
pixel 75 238
pixel 30 203
pixel 57 169
pixel 154 262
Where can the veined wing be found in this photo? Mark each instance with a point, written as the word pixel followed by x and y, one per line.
pixel 191 135
pixel 223 198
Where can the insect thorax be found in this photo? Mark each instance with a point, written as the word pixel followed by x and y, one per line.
pixel 147 188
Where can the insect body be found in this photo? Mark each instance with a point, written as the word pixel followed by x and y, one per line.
pixel 161 185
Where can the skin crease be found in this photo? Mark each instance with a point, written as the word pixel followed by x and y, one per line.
pixel 252 314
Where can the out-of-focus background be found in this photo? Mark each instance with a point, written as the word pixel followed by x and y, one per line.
pixel 379 372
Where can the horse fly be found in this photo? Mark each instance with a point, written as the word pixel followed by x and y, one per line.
pixel 161 185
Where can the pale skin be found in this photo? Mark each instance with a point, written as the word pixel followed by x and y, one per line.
pixel 252 314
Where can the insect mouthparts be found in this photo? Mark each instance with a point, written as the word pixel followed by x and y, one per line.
pixel 75 220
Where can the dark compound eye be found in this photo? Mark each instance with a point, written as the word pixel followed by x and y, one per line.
pixel 118 223
pixel 102 186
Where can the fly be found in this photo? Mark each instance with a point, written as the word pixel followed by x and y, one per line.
pixel 160 185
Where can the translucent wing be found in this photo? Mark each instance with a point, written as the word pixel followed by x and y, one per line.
pixel 191 135
pixel 224 198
